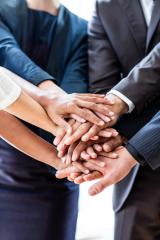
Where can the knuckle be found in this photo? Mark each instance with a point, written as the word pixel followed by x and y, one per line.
pixel 71 105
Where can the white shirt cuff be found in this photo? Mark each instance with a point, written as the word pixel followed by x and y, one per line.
pixel 130 104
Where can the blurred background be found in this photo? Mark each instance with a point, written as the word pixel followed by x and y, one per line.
pixel 96 218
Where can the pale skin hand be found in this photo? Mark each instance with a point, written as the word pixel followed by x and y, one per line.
pixel 87 131
pixel 74 151
pixel 107 146
pixel 113 171
pixel 12 131
pixel 59 104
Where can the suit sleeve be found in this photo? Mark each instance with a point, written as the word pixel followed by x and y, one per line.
pixel 75 78
pixel 14 59
pixel 104 68
pixel 142 84
pixel 147 142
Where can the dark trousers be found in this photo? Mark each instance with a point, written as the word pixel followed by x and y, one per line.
pixel 139 218
pixel 34 205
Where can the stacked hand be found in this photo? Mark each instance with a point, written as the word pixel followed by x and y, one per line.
pixel 86 141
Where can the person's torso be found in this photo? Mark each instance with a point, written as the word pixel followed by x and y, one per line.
pixel 131 40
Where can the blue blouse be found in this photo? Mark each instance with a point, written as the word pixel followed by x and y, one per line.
pixel 41 28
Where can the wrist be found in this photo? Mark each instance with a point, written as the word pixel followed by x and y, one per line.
pixel 119 107
pixel 130 159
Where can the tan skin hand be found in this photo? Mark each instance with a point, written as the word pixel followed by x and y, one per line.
pixel 65 105
pixel 112 144
pixel 87 131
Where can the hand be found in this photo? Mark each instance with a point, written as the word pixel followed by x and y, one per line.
pixel 81 149
pixel 115 171
pixel 87 131
pixel 109 146
pixel 77 149
pixel 79 106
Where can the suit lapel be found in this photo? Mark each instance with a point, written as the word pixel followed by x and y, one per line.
pixel 136 21
pixel 154 22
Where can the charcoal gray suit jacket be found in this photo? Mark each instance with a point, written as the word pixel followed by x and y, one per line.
pixel 125 55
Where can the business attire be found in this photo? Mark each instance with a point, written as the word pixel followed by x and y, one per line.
pixel 124 55
pixel 9 91
pixel 39 46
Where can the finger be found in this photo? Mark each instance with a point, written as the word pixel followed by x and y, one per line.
pixel 103 117
pixel 78 150
pixel 70 152
pixel 112 143
pixel 73 176
pixel 89 95
pixel 80 167
pixel 61 133
pixel 99 186
pixel 65 172
pixel 101 108
pixel 92 176
pixel 107 133
pixel 85 155
pixel 95 138
pixel 97 147
pixel 91 152
pixel 70 179
pixel 83 128
pixel 79 180
pixel 59 137
pixel 95 164
pixel 84 113
pixel 96 98
pixel 60 121
pixel 93 131
pixel 62 147
pixel 78 118
pixel 111 155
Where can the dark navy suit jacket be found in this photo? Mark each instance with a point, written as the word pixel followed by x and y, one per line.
pixel 67 66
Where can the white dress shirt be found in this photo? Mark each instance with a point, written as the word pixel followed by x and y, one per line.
pixel 9 91
pixel 147 6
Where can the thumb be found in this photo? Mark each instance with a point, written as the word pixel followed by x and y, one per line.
pixel 99 186
pixel 60 174
pixel 61 122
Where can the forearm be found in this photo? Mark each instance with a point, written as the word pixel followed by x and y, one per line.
pixel 27 107
pixel 45 89
pixel 18 135
pixel 32 112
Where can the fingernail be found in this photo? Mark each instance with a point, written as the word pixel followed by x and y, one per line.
pixel 94 155
pixel 107 149
pixel 55 142
pixel 86 171
pixel 102 164
pixel 84 139
pixel 83 120
pixel 60 154
pixel 92 192
pixel 115 155
pixel 108 134
pixel 69 131
pixel 74 159
pixel 116 134
pixel 107 119
pixel 111 114
pixel 101 123
pixel 67 141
